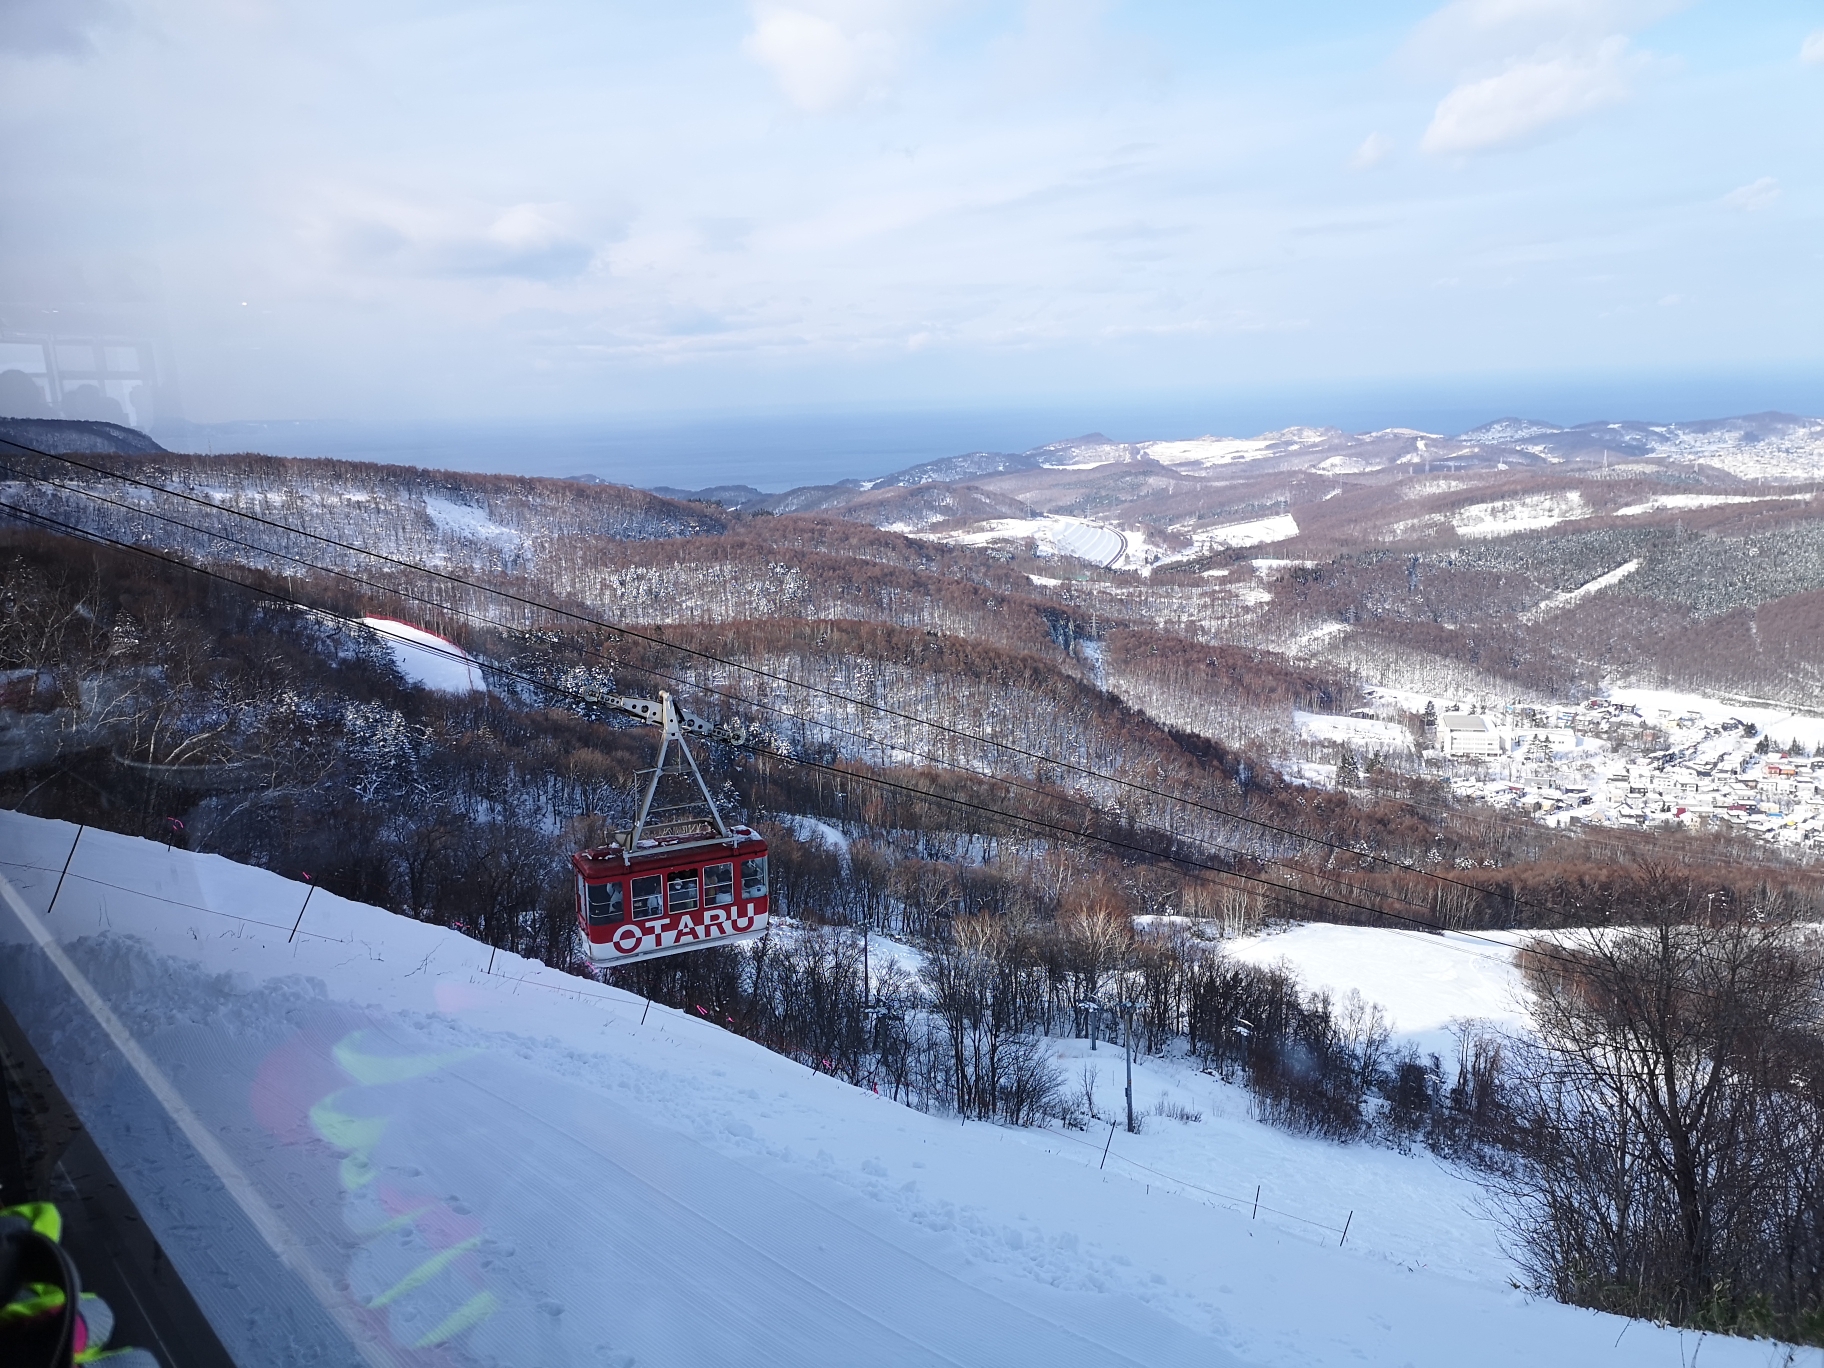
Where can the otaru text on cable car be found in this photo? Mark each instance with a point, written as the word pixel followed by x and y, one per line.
pixel 682 879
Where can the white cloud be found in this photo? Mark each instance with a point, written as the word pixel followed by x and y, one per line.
pixel 1373 151
pixel 1522 67
pixel 1753 197
pixel 399 236
pixel 828 56
pixel 1529 97
pixel 1812 49
pixel 1490 34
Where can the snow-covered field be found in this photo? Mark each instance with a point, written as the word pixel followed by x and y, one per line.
pixel 386 1134
pixel 1078 538
pixel 1423 982
pixel 1232 536
pixel 1776 720
pixel 1664 502
pixel 1527 513
pixel 1356 731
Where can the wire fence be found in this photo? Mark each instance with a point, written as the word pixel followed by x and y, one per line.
pixel 621 997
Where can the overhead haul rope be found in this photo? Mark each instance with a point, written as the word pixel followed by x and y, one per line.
pixel 508 595
pixel 1036 823
pixel 1299 871
pixel 698 653
pixel 1418 804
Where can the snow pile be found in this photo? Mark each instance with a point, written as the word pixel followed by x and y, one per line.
pixel 1528 513
pixel 505 1165
pixel 428 660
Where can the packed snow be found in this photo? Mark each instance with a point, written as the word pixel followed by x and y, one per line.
pixel 505 1165
pixel 428 660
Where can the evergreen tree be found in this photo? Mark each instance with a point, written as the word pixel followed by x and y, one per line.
pixel 1348 772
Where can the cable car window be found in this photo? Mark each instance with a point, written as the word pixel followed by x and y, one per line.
pixel 648 897
pixel 753 878
pixel 605 903
pixel 718 885
pixel 681 890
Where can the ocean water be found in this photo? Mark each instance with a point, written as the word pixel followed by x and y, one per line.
pixel 781 450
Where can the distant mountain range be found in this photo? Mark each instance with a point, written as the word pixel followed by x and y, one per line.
pixel 1759 446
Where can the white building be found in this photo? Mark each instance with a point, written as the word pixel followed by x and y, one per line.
pixel 1469 734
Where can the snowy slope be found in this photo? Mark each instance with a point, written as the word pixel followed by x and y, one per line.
pixel 518 1167
pixel 1423 982
pixel 428 660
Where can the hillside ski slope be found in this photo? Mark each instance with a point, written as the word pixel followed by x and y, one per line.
pixel 393 1147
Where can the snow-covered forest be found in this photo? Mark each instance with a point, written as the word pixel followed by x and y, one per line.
pixel 1046 792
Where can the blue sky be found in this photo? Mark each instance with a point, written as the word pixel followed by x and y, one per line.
pixel 584 210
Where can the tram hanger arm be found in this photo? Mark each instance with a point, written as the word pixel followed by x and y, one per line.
pixel 652 711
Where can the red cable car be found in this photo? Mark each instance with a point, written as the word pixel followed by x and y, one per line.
pixel 682 879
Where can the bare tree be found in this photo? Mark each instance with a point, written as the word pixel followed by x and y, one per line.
pixel 1672 1065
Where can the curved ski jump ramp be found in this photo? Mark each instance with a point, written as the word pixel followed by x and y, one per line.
pixel 357 1143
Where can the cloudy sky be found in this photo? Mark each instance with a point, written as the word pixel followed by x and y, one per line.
pixel 586 208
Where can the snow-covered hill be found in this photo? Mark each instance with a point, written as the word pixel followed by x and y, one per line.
pixel 502 1164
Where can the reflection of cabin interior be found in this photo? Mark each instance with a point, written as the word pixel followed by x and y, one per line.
pixel 77 374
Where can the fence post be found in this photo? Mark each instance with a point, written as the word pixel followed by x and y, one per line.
pixel 66 869
pixel 300 921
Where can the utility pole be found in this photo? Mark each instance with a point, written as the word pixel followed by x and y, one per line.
pixel 1127 1009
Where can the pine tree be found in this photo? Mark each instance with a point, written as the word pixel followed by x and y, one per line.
pixel 1348 773
pixel 1430 715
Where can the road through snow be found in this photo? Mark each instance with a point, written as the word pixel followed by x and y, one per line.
pixel 519 1167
